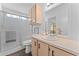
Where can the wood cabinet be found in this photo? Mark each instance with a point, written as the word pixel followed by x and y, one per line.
pixel 33 14
pixel 36 14
pixel 34 47
pixel 53 51
pixel 39 48
pixel 42 49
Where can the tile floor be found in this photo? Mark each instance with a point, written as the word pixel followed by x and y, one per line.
pixel 20 53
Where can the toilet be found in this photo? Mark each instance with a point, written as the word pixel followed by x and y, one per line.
pixel 27 45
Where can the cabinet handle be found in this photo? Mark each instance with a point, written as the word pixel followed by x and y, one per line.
pixel 35 43
pixel 52 53
pixel 38 45
pixel 49 49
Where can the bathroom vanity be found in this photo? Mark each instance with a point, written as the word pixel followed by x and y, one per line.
pixel 59 45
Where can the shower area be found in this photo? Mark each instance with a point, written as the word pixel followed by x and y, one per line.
pixel 12 31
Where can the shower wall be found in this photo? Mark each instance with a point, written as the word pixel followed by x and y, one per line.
pixel 0 29
pixel 12 30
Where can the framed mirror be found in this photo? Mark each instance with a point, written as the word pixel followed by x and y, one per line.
pixel 52 25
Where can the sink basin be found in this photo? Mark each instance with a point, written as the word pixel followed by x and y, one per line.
pixel 49 37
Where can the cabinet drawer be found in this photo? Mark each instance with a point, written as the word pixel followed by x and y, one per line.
pixel 58 52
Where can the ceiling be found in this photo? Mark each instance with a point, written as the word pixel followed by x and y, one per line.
pixel 20 7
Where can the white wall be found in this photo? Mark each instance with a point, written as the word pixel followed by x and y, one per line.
pixel 67 19
pixel 42 27
pixel 74 21
pixel 0 6
pixel 0 28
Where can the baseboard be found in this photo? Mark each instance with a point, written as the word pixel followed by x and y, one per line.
pixel 4 53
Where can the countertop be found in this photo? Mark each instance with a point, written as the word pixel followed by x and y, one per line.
pixel 61 42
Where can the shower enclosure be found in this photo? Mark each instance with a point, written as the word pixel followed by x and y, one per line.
pixel 12 30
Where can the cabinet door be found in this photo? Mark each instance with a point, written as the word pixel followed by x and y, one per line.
pixel 34 14
pixel 38 13
pixel 42 49
pixel 34 47
pixel 57 52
